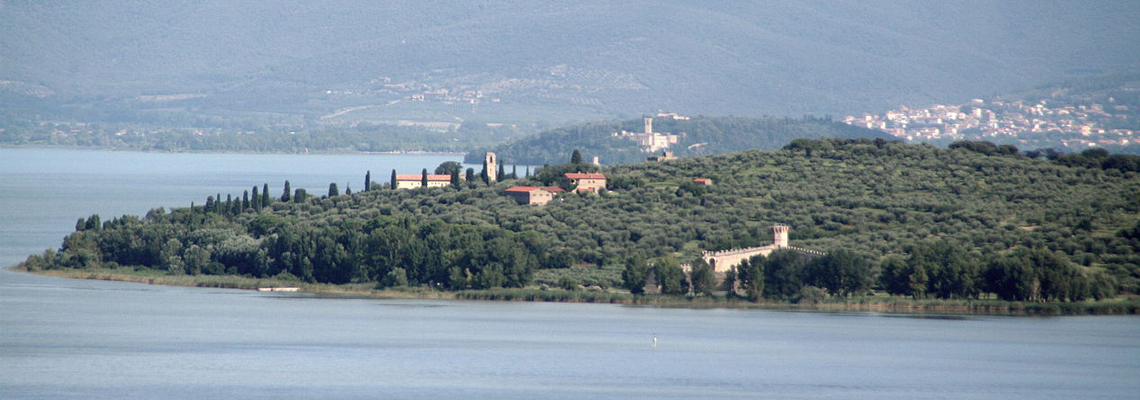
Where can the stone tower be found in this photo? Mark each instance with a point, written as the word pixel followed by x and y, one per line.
pixel 780 235
pixel 492 164
pixel 648 124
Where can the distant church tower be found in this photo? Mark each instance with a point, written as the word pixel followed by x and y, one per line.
pixel 492 167
pixel 648 124
pixel 780 235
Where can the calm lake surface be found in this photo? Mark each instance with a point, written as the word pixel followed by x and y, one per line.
pixel 64 339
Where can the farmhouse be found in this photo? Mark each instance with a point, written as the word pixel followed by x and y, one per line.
pixel 412 181
pixel 534 195
pixel 591 183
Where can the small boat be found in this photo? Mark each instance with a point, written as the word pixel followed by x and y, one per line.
pixel 278 289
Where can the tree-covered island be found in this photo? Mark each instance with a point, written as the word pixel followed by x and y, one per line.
pixel 897 226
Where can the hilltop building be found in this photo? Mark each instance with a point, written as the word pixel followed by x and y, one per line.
pixel 650 141
pixel 664 156
pixel 703 181
pixel 591 183
pixel 412 181
pixel 532 195
pixel 672 115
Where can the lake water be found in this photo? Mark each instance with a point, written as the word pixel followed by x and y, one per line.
pixel 64 339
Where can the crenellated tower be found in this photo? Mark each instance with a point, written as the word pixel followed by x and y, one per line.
pixel 780 235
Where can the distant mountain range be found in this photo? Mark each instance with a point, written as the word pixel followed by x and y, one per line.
pixel 298 62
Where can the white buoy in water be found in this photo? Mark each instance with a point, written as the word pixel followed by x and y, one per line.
pixel 655 341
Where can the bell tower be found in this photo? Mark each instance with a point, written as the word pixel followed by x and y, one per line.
pixel 648 124
pixel 780 235
pixel 492 167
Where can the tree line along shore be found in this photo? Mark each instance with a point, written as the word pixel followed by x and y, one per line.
pixel 970 227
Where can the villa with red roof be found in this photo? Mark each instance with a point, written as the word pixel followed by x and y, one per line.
pixel 592 183
pixel 534 195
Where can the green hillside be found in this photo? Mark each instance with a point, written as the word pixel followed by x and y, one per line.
pixel 699 136
pixel 556 62
pixel 907 219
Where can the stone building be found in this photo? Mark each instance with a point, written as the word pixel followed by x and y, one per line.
pixel 534 195
pixel 492 163
pixel 724 260
pixel 581 182
pixel 649 140
pixel 412 181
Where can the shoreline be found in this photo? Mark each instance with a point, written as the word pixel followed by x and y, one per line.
pixel 325 153
pixel 888 305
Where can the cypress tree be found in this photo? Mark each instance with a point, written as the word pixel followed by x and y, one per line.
pixel 455 177
pixel 470 175
pixel 265 195
pixel 256 203
pixel 423 180
pixel 483 174
pixel 367 181
pixel 245 200
pixel 300 195
pixel 347 189
pixel 501 175
pixel 392 183
pixel 515 171
pixel 80 224
pixel 333 191
pixel 576 157
pixel 218 203
pixel 229 203
pixel 285 195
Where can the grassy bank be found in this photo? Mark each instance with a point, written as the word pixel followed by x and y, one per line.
pixel 880 303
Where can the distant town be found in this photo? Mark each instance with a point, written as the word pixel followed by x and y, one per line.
pixel 1025 123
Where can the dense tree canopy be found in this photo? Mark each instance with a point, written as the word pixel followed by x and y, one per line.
pixel 927 222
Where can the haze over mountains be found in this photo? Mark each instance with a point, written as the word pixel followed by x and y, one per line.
pixel 556 62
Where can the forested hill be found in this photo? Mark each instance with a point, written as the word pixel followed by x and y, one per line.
pixel 908 219
pixel 700 136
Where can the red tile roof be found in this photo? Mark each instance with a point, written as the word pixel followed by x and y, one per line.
pixel 526 189
pixel 585 176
